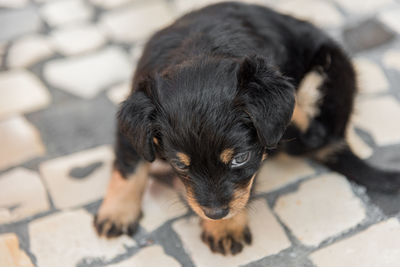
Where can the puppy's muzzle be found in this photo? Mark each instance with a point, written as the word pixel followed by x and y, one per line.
pixel 215 213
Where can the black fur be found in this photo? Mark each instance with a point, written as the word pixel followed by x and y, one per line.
pixel 225 77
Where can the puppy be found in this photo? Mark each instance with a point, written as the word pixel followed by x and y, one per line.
pixel 213 95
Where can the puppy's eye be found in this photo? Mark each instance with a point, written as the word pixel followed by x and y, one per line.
pixel 240 159
pixel 179 165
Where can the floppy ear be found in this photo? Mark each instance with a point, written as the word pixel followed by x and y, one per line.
pixel 135 121
pixel 267 97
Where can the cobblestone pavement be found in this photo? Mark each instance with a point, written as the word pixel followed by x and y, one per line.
pixel 66 64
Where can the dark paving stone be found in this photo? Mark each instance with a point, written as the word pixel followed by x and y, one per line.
pixel 167 237
pixel 366 35
pixel 285 258
pixel 15 23
pixel 387 158
pixel 82 172
pixel 75 125
pixel 389 204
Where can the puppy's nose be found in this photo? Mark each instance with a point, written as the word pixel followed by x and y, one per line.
pixel 215 213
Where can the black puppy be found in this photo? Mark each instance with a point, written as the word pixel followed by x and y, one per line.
pixel 216 92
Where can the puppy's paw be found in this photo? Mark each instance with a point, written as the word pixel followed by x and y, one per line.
pixel 225 236
pixel 110 222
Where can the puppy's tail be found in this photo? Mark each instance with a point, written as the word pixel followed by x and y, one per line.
pixel 350 165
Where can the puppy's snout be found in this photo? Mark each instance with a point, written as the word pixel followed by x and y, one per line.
pixel 215 213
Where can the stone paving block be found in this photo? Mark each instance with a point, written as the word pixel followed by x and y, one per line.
pixel 74 125
pixel 22 194
pixel 10 253
pixel 357 144
pixel 377 246
pixel 182 7
pixel 149 256
pixel 18 22
pixel 21 92
pixel 280 171
pixel 365 35
pixel 371 78
pixel 78 39
pixel 13 3
pixel 363 6
pixel 126 24
pixel 29 50
pixel 119 93
pixel 268 238
pixel 391 18
pixel 69 238
pixel 19 142
pixel 322 13
pixel 391 59
pixel 62 12
pixel 87 75
pixel 321 208
pixel 109 4
pixel 160 204
pixel 79 178
pixel 379 124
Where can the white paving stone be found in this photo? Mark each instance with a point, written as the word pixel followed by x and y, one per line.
pixel 87 75
pixel 377 246
pixel 119 93
pixel 21 92
pixel 391 18
pixel 268 239
pixel 280 171
pixel 321 208
pixel 150 256
pixel 376 116
pixel 321 13
pixel 391 59
pixel 160 203
pixel 62 12
pixel 183 6
pixel 67 238
pixel 357 144
pixel 13 3
pixel 67 191
pixel 22 194
pixel 19 142
pixel 18 22
pixel 137 21
pixel 136 51
pixel 78 39
pixel 371 78
pixel 29 50
pixel 109 3
pixel 363 6
pixel 10 253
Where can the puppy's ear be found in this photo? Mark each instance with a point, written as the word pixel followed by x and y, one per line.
pixel 135 120
pixel 267 97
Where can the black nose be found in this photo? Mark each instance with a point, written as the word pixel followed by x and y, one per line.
pixel 216 213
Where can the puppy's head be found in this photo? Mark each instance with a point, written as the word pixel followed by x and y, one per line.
pixel 212 120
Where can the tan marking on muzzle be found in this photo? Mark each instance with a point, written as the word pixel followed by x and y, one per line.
pixel 240 198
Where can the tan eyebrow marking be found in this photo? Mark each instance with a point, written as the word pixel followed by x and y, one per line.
pixel 226 155
pixel 184 158
pixel 155 140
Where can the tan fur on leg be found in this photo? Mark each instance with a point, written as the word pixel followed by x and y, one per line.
pixel 227 235
pixel 307 98
pixel 121 207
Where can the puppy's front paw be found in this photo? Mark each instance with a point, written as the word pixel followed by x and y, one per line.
pixel 113 222
pixel 226 236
